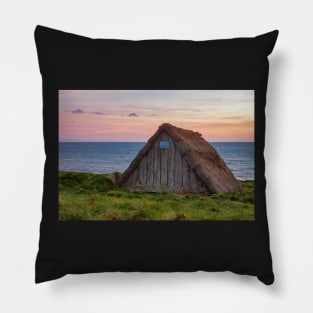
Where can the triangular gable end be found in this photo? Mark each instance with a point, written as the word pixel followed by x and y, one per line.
pixel 179 160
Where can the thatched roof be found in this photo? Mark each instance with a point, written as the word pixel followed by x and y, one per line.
pixel 202 158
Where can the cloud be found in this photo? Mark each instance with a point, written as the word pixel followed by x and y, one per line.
pixel 133 114
pixel 78 111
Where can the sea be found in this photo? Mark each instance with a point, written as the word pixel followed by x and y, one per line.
pixel 108 157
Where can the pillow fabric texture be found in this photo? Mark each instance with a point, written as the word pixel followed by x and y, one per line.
pixel 73 62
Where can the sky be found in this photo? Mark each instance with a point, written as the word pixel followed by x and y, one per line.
pixel 134 115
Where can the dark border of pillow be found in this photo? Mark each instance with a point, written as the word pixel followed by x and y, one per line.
pixel 69 61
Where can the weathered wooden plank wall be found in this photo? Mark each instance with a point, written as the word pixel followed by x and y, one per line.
pixel 142 171
pixel 186 173
pixel 165 169
pixel 178 168
pixel 150 168
pixel 163 161
pixel 156 163
pixel 171 164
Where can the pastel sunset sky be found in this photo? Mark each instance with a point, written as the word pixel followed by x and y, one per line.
pixel 134 115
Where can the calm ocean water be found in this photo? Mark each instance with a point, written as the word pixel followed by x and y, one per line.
pixel 108 157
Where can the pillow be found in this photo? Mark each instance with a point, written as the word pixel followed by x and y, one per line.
pixel 154 155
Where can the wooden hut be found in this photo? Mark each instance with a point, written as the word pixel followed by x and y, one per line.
pixel 179 160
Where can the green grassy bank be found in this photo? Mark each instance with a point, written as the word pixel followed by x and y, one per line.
pixel 85 196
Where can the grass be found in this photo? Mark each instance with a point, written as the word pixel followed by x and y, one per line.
pixel 86 196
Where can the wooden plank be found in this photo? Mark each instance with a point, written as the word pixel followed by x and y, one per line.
pixel 135 176
pixel 130 180
pixel 163 161
pixel 142 171
pixel 178 168
pixel 156 163
pixel 149 172
pixel 163 168
pixel 199 184
pixel 171 164
pixel 186 174
pixel 194 182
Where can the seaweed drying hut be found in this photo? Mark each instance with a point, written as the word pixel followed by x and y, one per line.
pixel 179 160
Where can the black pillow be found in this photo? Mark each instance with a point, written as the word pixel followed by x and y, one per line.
pixel 154 155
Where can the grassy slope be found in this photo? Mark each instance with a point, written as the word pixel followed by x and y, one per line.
pixel 85 196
